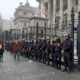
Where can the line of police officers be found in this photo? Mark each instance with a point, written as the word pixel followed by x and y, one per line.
pixel 47 52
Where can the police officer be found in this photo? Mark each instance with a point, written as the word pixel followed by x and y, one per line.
pixel 28 50
pixel 40 50
pixel 57 56
pixel 67 53
pixel 53 52
pixel 25 49
pixel 1 50
pixel 48 51
pixel 32 50
pixel 36 50
pixel 43 48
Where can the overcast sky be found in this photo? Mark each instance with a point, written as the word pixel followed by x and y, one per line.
pixel 7 7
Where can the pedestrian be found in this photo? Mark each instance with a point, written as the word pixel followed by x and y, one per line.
pixel 1 50
pixel 53 52
pixel 43 51
pixel 67 53
pixel 40 50
pixel 36 51
pixel 57 56
pixel 48 52
pixel 16 49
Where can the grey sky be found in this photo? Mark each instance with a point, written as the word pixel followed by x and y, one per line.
pixel 7 7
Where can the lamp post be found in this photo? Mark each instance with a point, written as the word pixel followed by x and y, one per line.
pixel 56 24
pixel 23 34
pixel 72 32
pixel 31 34
pixel 55 28
pixel 26 34
pixel 37 31
pixel 45 30
pixel 62 29
pixel 17 34
pixel 78 41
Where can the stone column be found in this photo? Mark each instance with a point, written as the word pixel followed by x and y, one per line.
pixel 69 9
pixel 61 12
pixel 39 9
pixel 49 13
pixel 78 5
pixel 42 10
pixel 54 11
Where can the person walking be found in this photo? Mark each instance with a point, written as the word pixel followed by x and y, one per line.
pixel 16 47
pixel 1 50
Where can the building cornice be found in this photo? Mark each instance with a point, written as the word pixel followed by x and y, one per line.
pixel 44 1
pixel 38 0
pixel 39 18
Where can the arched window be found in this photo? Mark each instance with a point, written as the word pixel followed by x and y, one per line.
pixel 24 24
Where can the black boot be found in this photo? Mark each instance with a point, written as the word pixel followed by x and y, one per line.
pixel 59 67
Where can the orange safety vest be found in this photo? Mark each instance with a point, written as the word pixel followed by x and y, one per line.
pixel 1 46
pixel 16 47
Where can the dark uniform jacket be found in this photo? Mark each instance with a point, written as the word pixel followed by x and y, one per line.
pixel 68 48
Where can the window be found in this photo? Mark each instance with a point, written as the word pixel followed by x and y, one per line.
pixel 24 24
pixel 24 13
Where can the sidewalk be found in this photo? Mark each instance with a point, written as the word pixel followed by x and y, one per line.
pixel 31 70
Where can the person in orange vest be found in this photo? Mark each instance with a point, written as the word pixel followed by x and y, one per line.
pixel 1 50
pixel 16 49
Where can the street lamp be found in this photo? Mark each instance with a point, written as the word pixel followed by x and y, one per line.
pixel 55 28
pixel 45 30
pixel 72 32
pixel 23 34
pixel 26 34
pixel 63 28
pixel 37 31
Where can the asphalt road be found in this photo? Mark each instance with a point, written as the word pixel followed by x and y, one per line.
pixel 31 70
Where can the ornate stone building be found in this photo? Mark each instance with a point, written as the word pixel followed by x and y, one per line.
pixel 22 15
pixel 58 11
pixel 26 19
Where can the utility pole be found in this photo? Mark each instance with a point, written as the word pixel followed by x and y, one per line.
pixel 72 33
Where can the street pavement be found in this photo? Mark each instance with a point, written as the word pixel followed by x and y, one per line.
pixel 31 70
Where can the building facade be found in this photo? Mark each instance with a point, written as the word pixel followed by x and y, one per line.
pixel 38 28
pixel 58 11
pixel 22 15
pixel 26 19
